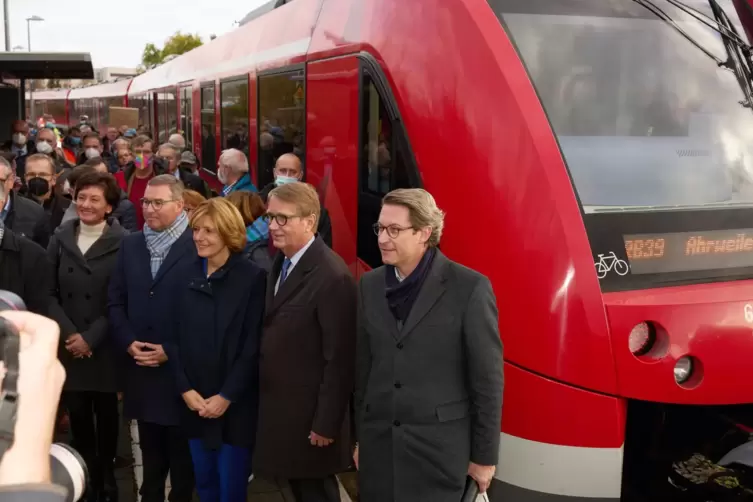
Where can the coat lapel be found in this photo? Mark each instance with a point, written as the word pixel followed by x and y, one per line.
pixel 384 314
pixel 431 291
pixel 177 250
pixel 272 280
pixel 66 237
pixel 296 278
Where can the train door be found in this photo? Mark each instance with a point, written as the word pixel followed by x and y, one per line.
pixel 208 149
pixel 357 151
pixel 385 162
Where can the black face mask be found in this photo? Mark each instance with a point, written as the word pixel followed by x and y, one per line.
pixel 38 186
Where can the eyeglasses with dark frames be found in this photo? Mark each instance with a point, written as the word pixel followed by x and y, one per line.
pixel 393 231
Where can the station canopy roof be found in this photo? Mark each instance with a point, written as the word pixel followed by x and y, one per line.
pixel 38 65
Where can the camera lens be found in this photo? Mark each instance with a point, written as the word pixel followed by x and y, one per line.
pixel 68 469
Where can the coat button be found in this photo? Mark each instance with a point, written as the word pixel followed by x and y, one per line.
pixel 88 296
pixel 396 423
pixel 151 294
pixel 70 270
pixel 398 385
pixel 400 346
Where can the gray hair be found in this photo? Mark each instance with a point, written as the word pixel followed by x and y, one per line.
pixel 121 141
pixel 235 160
pixel 422 208
pixel 178 141
pixel 168 180
pixel 5 166
pixel 170 147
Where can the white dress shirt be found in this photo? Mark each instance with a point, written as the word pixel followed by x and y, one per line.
pixel 293 260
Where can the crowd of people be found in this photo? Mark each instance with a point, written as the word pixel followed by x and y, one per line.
pixel 238 339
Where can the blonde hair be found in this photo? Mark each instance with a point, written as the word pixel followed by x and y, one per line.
pixel 303 196
pixel 226 218
pixel 422 210
pixel 192 198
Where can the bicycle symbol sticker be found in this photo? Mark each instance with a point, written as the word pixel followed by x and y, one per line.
pixel 610 262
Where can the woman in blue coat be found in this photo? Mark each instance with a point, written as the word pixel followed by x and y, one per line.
pixel 214 352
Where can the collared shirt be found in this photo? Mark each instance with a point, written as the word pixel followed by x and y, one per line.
pixel 293 260
pixel 19 151
pixel 177 173
pixel 6 210
pixel 229 188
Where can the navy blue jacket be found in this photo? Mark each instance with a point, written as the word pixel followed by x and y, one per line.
pixel 215 347
pixel 141 309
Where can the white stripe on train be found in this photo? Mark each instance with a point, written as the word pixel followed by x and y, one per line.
pixel 570 471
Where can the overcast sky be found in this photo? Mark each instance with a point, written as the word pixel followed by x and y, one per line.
pixel 115 32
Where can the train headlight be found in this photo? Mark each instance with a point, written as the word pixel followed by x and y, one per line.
pixel 641 339
pixel 683 369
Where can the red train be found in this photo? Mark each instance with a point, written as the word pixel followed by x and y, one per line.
pixel 594 159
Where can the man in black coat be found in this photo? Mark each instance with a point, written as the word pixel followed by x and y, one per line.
pixel 307 353
pixel 24 217
pixel 141 298
pixel 24 268
pixel 41 178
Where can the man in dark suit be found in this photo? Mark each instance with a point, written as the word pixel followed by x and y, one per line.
pixel 307 353
pixel 141 306
pixel 429 366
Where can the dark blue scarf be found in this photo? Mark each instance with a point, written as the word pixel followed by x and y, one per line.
pixel 402 295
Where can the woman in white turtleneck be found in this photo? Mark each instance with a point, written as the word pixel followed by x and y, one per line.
pixel 84 252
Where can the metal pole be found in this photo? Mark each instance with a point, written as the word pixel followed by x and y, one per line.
pixel 31 82
pixel 6 17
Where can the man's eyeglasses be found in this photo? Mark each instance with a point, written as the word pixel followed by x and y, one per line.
pixel 280 219
pixel 156 203
pixel 393 231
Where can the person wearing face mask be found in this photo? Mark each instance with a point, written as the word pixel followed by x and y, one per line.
pixel 18 213
pixel 91 147
pixel 41 178
pixel 288 169
pixel 72 145
pixel 47 143
pixel 136 174
pixel 20 144
pixel 232 171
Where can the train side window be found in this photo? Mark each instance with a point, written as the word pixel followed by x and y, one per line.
pixel 186 129
pixel 384 165
pixel 234 114
pixel 208 145
pixel 171 104
pixel 282 120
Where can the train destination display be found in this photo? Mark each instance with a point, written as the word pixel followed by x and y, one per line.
pixel 686 251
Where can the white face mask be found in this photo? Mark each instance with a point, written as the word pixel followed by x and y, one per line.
pixel 44 147
pixel 91 153
pixel 284 180
pixel 19 139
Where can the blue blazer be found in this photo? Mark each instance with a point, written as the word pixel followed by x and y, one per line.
pixel 141 308
pixel 215 347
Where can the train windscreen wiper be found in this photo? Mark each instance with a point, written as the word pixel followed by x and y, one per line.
pixel 738 51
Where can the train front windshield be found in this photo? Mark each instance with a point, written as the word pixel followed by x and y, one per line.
pixel 643 116
pixel 647 120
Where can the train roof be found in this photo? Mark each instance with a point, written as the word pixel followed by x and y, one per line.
pixel 48 94
pixel 281 34
pixel 105 90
